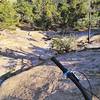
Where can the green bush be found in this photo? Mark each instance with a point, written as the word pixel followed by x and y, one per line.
pixel 45 12
pixel 63 44
pixel 8 15
pixel 57 45
pixel 25 11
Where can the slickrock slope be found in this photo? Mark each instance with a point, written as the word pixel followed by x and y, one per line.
pixel 45 82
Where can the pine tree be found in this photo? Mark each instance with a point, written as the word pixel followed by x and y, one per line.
pixel 86 8
pixel 25 9
pixel 49 13
pixel 63 15
pixel 8 15
pixel 45 13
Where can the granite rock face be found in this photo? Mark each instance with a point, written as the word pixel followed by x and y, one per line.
pixel 45 82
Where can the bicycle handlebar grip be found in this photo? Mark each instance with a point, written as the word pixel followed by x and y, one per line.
pixel 64 70
pixel 73 78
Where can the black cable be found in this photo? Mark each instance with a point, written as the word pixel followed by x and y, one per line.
pixel 90 86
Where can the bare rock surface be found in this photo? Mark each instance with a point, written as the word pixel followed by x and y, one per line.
pixel 45 82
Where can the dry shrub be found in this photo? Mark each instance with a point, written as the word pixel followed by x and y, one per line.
pixel 64 44
pixel 57 45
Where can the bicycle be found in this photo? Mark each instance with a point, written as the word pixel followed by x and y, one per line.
pixel 73 78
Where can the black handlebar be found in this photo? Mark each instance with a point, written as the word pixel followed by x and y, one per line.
pixel 74 79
